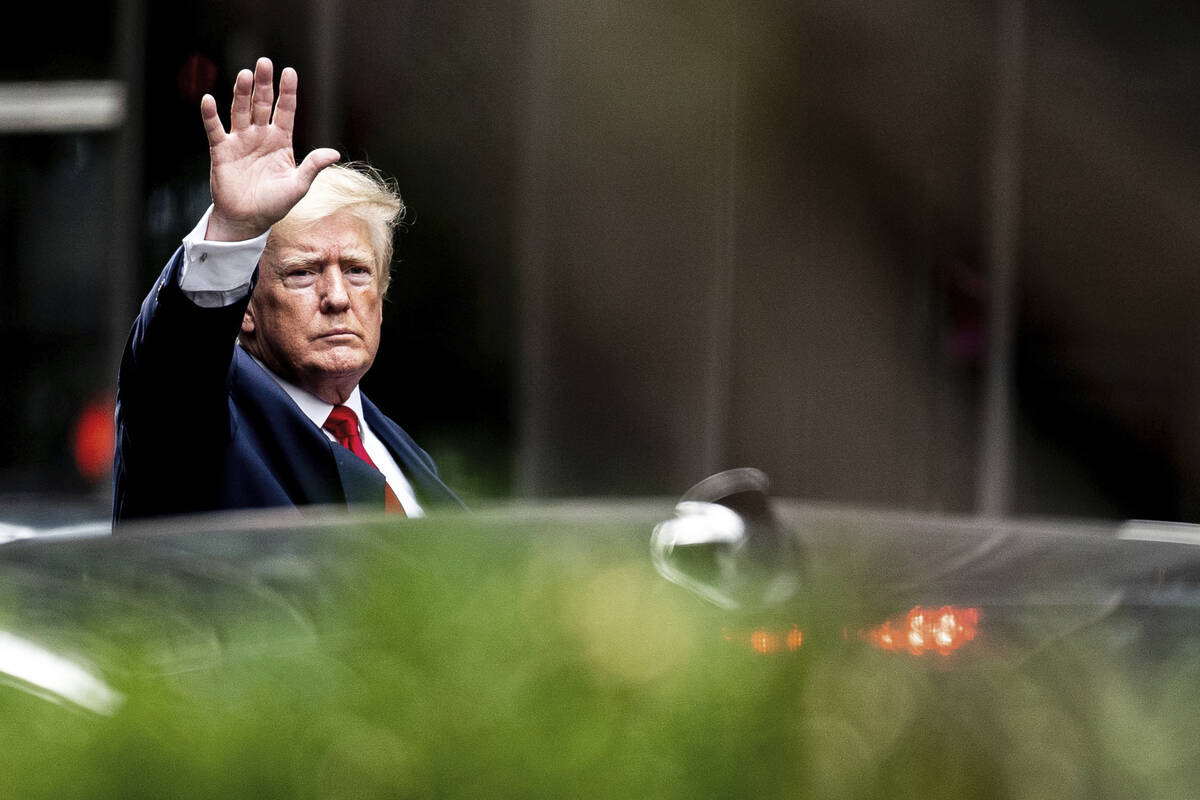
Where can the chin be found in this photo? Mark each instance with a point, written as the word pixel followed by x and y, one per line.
pixel 342 365
pixel 341 369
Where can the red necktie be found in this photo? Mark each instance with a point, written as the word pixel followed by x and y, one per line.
pixel 343 424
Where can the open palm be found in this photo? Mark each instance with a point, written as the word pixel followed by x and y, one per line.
pixel 254 177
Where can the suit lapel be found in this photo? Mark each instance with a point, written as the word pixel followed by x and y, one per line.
pixel 362 484
pixel 418 467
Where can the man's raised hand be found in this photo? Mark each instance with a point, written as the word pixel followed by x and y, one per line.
pixel 254 177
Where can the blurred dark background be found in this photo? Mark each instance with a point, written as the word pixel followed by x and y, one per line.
pixel 930 255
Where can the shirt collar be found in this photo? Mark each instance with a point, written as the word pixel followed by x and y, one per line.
pixel 313 407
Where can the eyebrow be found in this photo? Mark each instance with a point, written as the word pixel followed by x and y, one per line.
pixel 353 257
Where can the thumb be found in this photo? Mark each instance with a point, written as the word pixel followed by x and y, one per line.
pixel 316 161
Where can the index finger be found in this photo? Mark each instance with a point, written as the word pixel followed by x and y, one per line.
pixel 285 107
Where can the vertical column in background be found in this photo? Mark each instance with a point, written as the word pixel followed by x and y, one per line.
pixel 325 23
pixel 124 244
pixel 533 397
pixel 719 347
pixel 1003 234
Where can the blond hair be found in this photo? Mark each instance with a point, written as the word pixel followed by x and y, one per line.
pixel 361 190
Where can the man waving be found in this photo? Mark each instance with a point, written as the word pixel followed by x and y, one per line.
pixel 239 383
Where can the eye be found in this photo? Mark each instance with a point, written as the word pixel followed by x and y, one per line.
pixel 358 273
pixel 299 277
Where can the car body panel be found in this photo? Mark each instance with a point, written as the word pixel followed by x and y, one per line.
pixel 535 651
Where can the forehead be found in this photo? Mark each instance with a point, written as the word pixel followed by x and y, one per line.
pixel 338 236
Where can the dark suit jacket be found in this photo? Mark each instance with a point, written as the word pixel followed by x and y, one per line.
pixel 202 427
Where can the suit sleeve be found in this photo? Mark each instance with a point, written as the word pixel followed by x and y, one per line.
pixel 173 414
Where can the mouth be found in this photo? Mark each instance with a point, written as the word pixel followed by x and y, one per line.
pixel 338 334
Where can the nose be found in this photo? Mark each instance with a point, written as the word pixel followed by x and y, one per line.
pixel 334 297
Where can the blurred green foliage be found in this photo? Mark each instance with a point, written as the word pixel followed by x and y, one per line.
pixel 453 658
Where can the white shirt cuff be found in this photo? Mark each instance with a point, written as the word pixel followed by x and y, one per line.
pixel 217 274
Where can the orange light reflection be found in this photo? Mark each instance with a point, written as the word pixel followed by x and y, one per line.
pixel 766 641
pixel 924 630
pixel 794 639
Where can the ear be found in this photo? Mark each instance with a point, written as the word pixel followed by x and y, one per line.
pixel 248 319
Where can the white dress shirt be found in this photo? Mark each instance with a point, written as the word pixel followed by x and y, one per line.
pixel 216 274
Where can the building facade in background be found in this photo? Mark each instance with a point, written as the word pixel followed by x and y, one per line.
pixel 651 241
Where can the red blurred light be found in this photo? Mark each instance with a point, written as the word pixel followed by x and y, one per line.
pixel 197 75
pixel 93 439
pixel 922 630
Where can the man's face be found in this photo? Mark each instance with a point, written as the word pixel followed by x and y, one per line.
pixel 315 314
